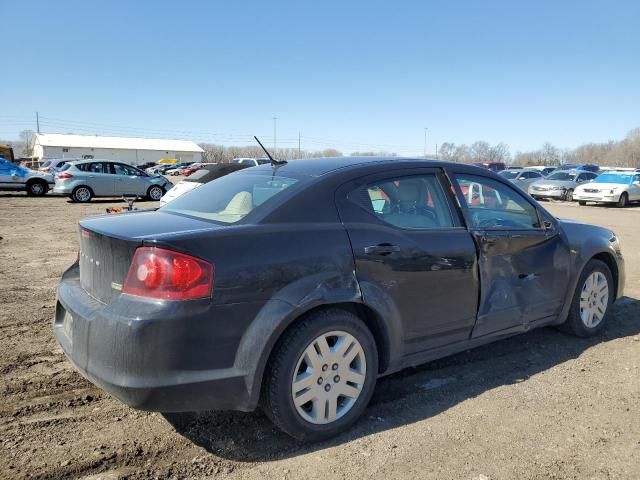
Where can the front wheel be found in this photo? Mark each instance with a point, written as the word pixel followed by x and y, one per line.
pixel 321 375
pixel 623 201
pixel 591 300
pixel 37 188
pixel 155 193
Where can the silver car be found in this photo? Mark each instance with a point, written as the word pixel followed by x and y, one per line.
pixel 86 179
pixel 560 184
pixel 522 177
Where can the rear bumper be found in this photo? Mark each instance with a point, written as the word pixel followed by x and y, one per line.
pixel 155 355
pixel 62 189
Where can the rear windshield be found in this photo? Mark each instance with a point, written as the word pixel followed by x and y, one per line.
pixel 66 166
pixel 47 163
pixel 230 198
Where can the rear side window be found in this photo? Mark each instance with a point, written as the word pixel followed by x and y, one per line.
pixel 412 201
pixel 494 206
pixel 230 198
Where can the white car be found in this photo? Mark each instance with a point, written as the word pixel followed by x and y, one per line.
pixel 618 188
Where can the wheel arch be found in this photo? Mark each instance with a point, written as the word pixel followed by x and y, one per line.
pixel 610 261
pixel 256 365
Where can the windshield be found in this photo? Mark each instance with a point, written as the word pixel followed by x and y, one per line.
pixel 230 198
pixel 509 175
pixel 621 178
pixel 563 176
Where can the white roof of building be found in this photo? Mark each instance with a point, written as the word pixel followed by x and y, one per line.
pixel 127 143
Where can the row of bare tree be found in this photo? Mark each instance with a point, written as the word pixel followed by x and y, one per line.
pixel 620 153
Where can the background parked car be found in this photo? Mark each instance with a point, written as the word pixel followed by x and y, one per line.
pixel 160 169
pixel 493 166
pixel 177 168
pixel 18 178
pixel 522 177
pixel 200 177
pixel 619 188
pixel 194 167
pixel 560 184
pixel 54 165
pixel 86 179
pixel 579 166
pixel 251 162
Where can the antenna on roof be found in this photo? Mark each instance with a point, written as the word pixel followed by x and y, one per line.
pixel 274 162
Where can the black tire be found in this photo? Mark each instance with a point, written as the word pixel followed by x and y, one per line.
pixel 37 188
pixel 574 323
pixel 623 201
pixel 82 194
pixel 568 195
pixel 582 203
pixel 277 397
pixel 152 193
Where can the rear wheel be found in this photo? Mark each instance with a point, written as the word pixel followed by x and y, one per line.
pixel 321 375
pixel 583 203
pixel 37 188
pixel 82 194
pixel 623 201
pixel 155 193
pixel 591 300
pixel 568 195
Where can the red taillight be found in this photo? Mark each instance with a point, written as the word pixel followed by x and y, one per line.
pixel 64 176
pixel 159 273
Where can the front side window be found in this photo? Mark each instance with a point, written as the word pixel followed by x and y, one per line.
pixel 415 201
pixel 493 205
pixel 120 169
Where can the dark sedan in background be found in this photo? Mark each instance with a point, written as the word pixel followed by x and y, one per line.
pixel 295 286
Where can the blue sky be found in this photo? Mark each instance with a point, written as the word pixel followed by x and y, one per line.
pixel 353 75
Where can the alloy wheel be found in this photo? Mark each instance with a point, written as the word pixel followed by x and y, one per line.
pixel 329 377
pixel 155 193
pixel 83 194
pixel 594 299
pixel 36 188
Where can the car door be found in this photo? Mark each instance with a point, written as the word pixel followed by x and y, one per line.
pixel 634 189
pixel 412 254
pixel 128 180
pixel 99 178
pixel 7 180
pixel 523 260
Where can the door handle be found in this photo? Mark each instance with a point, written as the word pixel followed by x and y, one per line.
pixel 381 249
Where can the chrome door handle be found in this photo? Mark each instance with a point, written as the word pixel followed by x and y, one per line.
pixel 381 249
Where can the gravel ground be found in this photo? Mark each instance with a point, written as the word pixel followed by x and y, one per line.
pixel 541 405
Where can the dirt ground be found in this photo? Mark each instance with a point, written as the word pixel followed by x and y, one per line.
pixel 541 405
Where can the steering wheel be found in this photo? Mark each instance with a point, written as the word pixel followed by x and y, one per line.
pixel 427 212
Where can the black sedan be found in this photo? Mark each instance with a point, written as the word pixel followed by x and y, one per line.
pixel 295 286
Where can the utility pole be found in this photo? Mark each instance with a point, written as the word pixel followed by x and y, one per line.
pixel 37 123
pixel 275 137
pixel 436 151
pixel 425 142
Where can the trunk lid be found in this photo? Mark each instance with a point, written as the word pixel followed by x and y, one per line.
pixel 107 245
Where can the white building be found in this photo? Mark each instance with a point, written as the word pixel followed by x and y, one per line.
pixel 134 151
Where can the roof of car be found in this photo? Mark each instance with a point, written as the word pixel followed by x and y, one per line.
pixel 324 165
